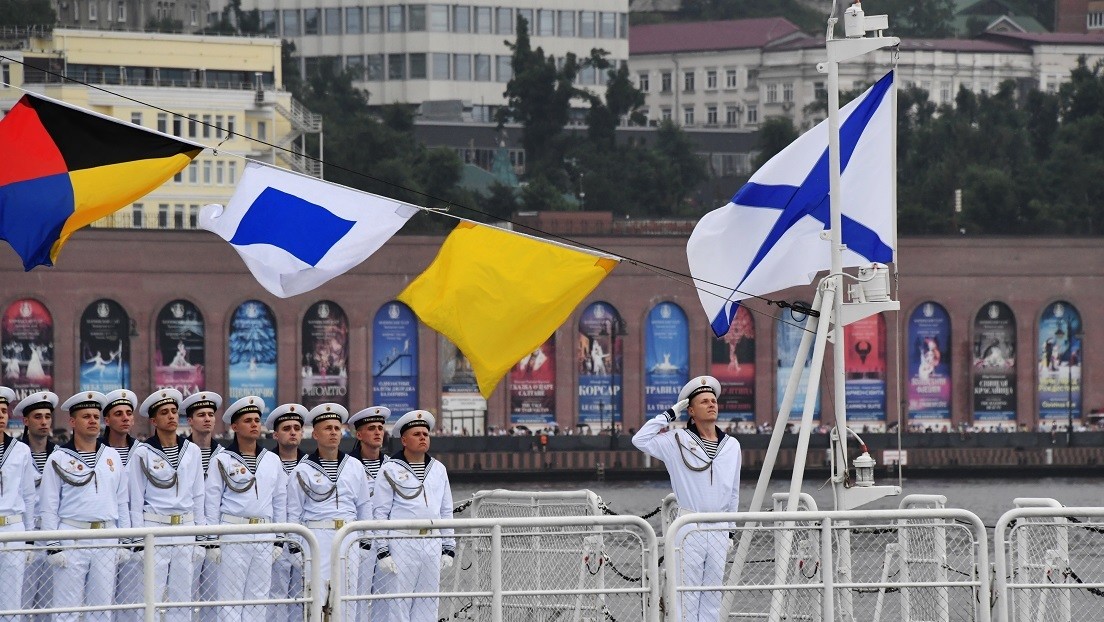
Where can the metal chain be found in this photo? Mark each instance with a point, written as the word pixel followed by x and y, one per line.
pixel 456 614
pixel 606 510
pixel 609 562
pixel 463 506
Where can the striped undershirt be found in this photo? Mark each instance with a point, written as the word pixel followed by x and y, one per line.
pixel 205 455
pixel 372 467
pixel 39 460
pixel 173 454
pixel 289 465
pixel 88 457
pixel 419 469
pixel 250 463
pixel 124 454
pixel 330 467
pixel 710 447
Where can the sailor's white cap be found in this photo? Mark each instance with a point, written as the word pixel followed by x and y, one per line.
pixel 120 397
pixel 327 412
pixel 699 385
pixel 285 412
pixel 36 400
pixel 158 399
pixel 372 414
pixel 7 396
pixel 244 406
pixel 85 399
pixel 414 419
pixel 201 399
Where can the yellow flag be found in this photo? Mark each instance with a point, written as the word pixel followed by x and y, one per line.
pixel 498 295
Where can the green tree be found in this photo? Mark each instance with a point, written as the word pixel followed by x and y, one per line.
pixel 775 133
pixel 23 13
pixel 623 101
pixel 910 18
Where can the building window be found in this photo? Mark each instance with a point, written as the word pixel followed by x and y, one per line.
pixel 461 19
pixel 375 18
pixel 192 126
pixel 136 216
pixel 193 216
pixel 688 81
pixel 504 21
pixel 262 130
pixel 120 13
pixel 732 115
pixel 220 173
pixel 772 93
pixel 396 66
pixel 462 67
pixel 373 68
pixel 193 172
pixel 438 18
pixel 607 25
pixel 440 66
pixel 586 75
pixel 567 23
pixel 665 114
pixel 218 126
pixel 310 21
pixel 586 24
pixel 688 115
pixel 711 79
pixel 395 19
pixel 752 114
pixel 135 117
pixel 110 11
pixel 355 66
pixel 178 216
pixel 482 68
pixel 944 92
pixel 163 215
pixel 417 66
pixel 483 20
pixel 163 122
pixel 193 16
pixel 546 22
pixel 207 172
pixel 232 173
pixel 417 18
pixel 527 15
pixel 819 92
pixel 354 24
pixel 1095 20
pixel 711 115
pixel 731 79
pixel 333 21
pixel 290 22
pixel 92 9
pixel 178 126
pixel 643 82
pixel 787 92
pixel 665 82
pixel 753 78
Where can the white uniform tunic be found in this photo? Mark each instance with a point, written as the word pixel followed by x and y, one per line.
pixel 238 494
pixel 17 512
pixel 287 576
pixel 713 488
pixel 325 505
pixel 129 571
pixel 161 495
pixel 205 586
pixel 400 495
pixel 78 495
pixel 364 555
pixel 38 586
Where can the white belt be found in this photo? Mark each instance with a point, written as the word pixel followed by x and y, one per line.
pixel 169 519
pixel 13 519
pixel 83 524
pixel 244 520
pixel 337 523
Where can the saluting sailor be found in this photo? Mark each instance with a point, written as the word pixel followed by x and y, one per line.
pixel 37 410
pixel 118 411
pixel 166 488
pixel 368 426
pixel 327 487
pixel 286 423
pixel 200 408
pixel 413 485
pixel 17 508
pixel 84 487
pixel 246 486
pixel 704 465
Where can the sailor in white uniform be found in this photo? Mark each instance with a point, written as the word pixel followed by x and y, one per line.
pixel 328 488
pixel 37 411
pixel 704 465
pixel 201 409
pixel 84 487
pixel 166 488
pixel 286 423
pixel 246 486
pixel 368 427
pixel 118 412
pixel 413 485
pixel 17 508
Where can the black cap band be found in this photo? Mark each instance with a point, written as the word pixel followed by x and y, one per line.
pixel 367 420
pixel 119 402
pixel 83 405
pixel 194 406
pixel 285 418
pixel 416 423
pixel 701 389
pixel 244 410
pixel 161 402
pixel 326 416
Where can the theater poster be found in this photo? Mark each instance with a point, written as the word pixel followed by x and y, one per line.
pixel 598 361
pixel 533 387
pixel 1059 364
pixel 994 363
pixel 865 363
pixel 791 327
pixel 395 359
pixel 252 353
pixel 325 350
pixel 929 361
pixel 732 363
pixel 27 339
pixel 463 409
pixel 666 357
pixel 180 356
pixel 104 347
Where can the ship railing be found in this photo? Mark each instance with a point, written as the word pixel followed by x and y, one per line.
pixel 528 569
pixel 156 573
pixel 1049 564
pixel 861 566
